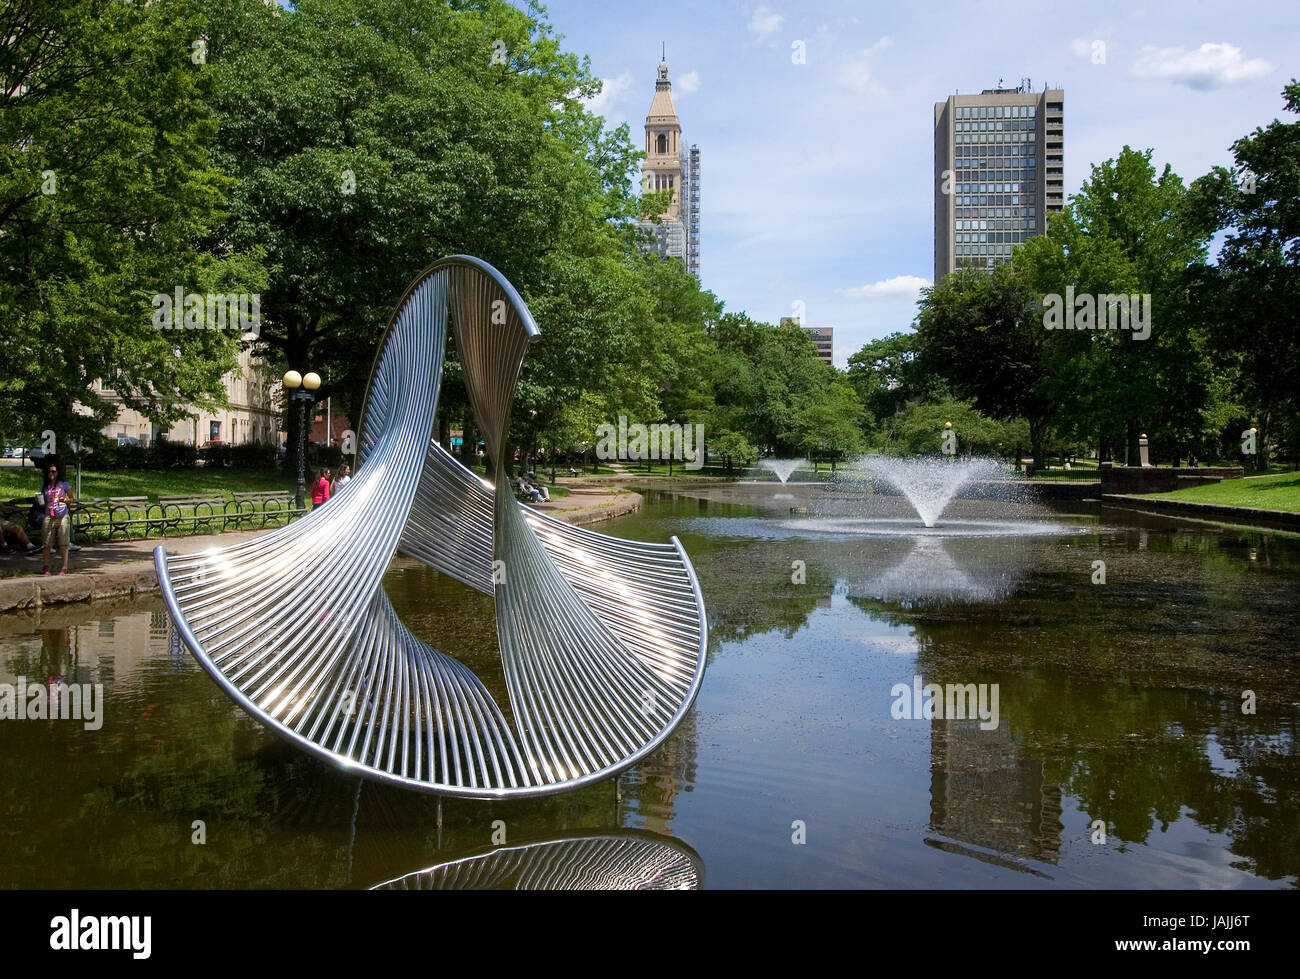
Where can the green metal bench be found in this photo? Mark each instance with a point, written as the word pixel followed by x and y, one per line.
pixel 115 512
pixel 204 511
pixel 126 517
pixel 262 508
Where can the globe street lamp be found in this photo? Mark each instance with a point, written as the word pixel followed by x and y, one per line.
pixel 301 390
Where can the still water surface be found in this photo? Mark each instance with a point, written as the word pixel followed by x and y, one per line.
pixel 1120 702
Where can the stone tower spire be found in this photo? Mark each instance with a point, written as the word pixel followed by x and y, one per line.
pixel 662 168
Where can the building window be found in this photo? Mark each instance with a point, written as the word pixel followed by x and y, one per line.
pixel 663 143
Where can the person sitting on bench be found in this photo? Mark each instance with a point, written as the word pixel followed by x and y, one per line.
pixel 14 538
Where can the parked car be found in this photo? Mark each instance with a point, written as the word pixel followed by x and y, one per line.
pixel 127 440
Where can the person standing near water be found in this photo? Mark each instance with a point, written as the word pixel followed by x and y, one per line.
pixel 53 499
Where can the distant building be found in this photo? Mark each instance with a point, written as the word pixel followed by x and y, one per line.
pixel 668 166
pixel 999 170
pixel 823 338
pixel 255 399
pixel 691 178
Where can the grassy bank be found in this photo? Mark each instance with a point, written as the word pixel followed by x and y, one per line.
pixel 1280 491
pixel 16 483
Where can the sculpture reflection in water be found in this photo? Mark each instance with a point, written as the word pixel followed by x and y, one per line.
pixel 624 860
pixel 602 640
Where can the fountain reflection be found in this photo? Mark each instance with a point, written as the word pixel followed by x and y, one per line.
pixel 931 574
pixel 604 860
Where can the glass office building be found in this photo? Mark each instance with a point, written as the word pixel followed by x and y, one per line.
pixel 999 170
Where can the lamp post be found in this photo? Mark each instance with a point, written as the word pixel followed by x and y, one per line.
pixel 301 390
pixel 532 438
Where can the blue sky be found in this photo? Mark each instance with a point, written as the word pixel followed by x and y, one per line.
pixel 816 177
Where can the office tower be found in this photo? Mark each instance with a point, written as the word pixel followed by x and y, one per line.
pixel 823 337
pixel 999 171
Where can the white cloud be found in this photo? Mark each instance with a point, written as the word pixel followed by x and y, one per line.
pixel 899 287
pixel 855 73
pixel 688 83
pixel 611 91
pixel 1209 66
pixel 764 22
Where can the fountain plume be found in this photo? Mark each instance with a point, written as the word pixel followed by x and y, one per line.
pixel 929 484
pixel 783 468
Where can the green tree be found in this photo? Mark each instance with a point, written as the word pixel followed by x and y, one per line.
pixel 371 137
pixel 1254 293
pixel 919 429
pixel 1130 230
pixel 829 427
pixel 889 372
pixel 108 196
pixel 763 376
pixel 983 333
pixel 732 448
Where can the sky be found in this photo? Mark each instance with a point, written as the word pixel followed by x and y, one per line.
pixel 816 178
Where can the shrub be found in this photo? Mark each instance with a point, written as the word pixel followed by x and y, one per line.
pixel 324 455
pixel 252 455
pixel 170 455
pixel 216 455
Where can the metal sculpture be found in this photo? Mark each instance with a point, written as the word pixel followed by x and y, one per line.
pixel 602 640
pixel 609 860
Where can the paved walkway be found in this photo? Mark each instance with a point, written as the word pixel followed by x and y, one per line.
pixel 124 569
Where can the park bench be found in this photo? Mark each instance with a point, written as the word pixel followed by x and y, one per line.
pixel 107 517
pixel 116 513
pixel 263 507
pixel 204 511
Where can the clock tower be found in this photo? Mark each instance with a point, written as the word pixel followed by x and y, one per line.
pixel 662 169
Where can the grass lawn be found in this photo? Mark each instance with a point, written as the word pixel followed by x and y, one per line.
pixel 1280 491
pixel 15 483
pixel 636 467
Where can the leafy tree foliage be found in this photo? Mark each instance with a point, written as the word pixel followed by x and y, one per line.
pixel 108 196
pixel 1253 295
pixel 983 333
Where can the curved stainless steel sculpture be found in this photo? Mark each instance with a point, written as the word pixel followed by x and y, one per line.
pixel 625 860
pixel 602 640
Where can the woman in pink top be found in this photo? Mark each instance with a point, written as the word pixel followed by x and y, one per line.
pixel 320 490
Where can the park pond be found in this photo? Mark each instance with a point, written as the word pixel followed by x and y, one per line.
pixel 1138 677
